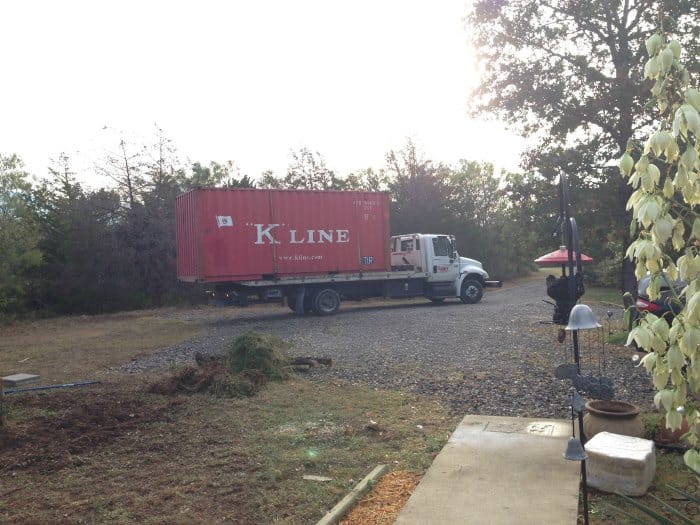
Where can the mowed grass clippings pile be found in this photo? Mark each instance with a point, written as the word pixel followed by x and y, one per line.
pixel 114 453
pixel 248 362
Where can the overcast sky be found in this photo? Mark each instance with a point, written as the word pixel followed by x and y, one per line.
pixel 243 80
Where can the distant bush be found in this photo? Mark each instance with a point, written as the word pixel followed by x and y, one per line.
pixel 605 273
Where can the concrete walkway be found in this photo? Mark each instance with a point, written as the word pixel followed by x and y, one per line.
pixel 499 470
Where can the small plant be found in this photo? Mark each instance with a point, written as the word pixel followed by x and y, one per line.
pixel 617 338
pixel 653 424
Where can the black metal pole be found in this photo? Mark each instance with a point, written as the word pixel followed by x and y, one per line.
pixel 583 469
pixel 570 233
pixel 573 429
pixel 585 492
pixel 577 355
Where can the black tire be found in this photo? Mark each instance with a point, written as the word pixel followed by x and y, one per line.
pixel 292 303
pixel 437 300
pixel 472 291
pixel 326 302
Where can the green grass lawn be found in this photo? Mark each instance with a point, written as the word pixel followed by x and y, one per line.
pixel 602 295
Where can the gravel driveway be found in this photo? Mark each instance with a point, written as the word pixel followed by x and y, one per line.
pixel 496 357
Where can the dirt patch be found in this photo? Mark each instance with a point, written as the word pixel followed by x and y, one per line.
pixel 382 504
pixel 66 424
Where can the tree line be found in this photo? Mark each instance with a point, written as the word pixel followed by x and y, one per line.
pixel 68 249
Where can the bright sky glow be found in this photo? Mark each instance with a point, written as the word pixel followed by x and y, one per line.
pixel 243 80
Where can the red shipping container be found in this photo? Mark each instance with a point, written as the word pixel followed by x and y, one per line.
pixel 247 234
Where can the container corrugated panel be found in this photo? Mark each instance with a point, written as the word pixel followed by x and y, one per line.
pixel 246 234
pixel 186 238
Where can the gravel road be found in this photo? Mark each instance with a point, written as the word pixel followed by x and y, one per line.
pixel 496 357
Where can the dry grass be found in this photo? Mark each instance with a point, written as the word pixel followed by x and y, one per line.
pixel 66 349
pixel 112 453
pixel 73 348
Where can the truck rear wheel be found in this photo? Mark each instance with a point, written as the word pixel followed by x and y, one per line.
pixel 472 291
pixel 292 303
pixel 326 302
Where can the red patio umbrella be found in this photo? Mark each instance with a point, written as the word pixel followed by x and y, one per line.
pixel 560 257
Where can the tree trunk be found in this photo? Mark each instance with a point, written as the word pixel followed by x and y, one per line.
pixel 628 279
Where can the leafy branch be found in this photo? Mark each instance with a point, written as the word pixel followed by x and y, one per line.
pixel 664 204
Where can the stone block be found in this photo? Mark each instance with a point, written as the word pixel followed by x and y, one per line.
pixel 621 464
pixel 19 379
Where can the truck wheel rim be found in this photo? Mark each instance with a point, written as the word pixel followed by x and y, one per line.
pixel 327 302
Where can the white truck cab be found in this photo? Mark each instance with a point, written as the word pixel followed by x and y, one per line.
pixel 446 273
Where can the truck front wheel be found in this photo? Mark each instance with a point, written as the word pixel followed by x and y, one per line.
pixel 326 302
pixel 472 291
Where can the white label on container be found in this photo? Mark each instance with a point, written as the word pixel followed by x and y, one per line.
pixel 224 221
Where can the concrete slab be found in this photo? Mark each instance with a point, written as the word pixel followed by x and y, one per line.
pixel 497 470
pixel 19 379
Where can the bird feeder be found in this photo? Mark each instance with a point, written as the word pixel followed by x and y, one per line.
pixel 567 289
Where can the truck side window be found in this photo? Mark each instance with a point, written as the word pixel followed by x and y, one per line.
pixel 417 244
pixel 407 245
pixel 442 246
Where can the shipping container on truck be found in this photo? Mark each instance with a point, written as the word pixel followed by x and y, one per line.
pixel 248 234
pixel 312 248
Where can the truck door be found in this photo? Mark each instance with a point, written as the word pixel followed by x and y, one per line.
pixel 443 265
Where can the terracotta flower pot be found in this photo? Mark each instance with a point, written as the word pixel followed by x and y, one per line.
pixel 617 417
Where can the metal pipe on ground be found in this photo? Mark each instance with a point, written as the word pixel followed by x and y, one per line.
pixel 50 387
